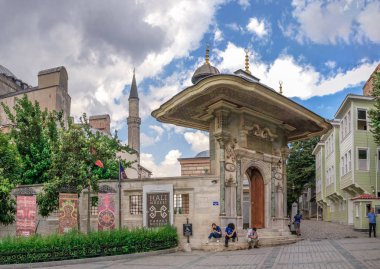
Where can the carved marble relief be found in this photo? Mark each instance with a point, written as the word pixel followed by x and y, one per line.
pixel 230 162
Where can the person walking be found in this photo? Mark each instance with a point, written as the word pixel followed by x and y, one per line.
pixel 372 222
pixel 297 223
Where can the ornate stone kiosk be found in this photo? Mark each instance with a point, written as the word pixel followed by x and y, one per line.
pixel 250 126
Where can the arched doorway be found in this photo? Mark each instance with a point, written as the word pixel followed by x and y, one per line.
pixel 256 184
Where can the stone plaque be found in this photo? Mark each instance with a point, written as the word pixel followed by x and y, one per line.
pixel 158 208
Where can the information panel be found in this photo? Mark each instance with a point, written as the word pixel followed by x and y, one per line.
pixel 157 208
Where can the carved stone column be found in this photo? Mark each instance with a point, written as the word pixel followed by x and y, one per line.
pixel 284 155
pixel 222 179
pixel 238 187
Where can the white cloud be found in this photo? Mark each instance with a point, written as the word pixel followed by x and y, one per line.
pixel 235 27
pixel 330 64
pixel 299 80
pixel 198 140
pixel 158 130
pixel 330 22
pixel 244 3
pixel 218 35
pixel 369 20
pixel 174 128
pixel 100 43
pixel 169 167
pixel 258 27
pixel 146 140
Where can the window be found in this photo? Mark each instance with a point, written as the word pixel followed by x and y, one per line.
pixel 94 206
pixel 345 164
pixel 357 211
pixel 342 165
pixel 362 159
pixel 181 203
pixel 332 175
pixel 349 121
pixel 362 119
pixel 349 161
pixel 345 126
pixel 135 204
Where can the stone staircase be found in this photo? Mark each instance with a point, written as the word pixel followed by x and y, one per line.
pixel 267 238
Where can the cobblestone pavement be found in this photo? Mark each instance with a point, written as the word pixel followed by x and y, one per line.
pixel 312 253
pixel 312 229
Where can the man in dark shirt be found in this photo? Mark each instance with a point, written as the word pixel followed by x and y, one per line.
pixel 230 234
pixel 372 222
pixel 297 223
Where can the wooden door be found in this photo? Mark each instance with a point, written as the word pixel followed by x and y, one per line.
pixel 257 200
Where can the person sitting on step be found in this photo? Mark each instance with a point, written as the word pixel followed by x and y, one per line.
pixel 252 238
pixel 215 232
pixel 230 234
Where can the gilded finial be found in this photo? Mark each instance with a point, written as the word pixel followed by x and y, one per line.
pixel 207 58
pixel 247 61
pixel 280 82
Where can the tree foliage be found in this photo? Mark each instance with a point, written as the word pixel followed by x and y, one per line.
pixel 7 203
pixel 10 161
pixel 76 150
pixel 300 168
pixel 40 149
pixel 33 132
pixel 9 176
pixel 374 114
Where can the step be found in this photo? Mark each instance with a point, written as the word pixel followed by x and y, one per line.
pixel 264 241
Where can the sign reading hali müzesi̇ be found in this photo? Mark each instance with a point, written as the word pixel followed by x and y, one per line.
pixel 157 208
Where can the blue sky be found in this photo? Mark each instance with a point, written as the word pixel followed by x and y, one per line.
pixel 321 50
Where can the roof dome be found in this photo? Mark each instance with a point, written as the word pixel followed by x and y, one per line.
pixel 205 153
pixel 204 70
pixel 5 71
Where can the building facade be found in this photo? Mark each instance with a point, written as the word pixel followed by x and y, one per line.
pixel 348 163
pixel 51 92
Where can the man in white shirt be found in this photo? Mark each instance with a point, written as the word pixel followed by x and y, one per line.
pixel 252 238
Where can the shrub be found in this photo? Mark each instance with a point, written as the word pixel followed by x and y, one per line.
pixel 76 245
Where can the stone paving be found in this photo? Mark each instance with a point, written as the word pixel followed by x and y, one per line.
pixel 312 229
pixel 313 252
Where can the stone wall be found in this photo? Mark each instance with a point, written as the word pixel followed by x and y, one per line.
pixel 195 166
pixel 203 195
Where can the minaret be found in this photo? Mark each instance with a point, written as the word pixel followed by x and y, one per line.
pixel 133 119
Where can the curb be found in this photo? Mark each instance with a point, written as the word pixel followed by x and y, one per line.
pixel 89 260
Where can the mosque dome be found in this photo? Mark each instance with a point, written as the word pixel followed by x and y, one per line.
pixel 5 71
pixel 204 70
pixel 205 153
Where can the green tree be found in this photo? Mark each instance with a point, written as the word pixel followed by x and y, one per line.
pixel 374 114
pixel 7 203
pixel 300 168
pixel 10 161
pixel 73 163
pixel 9 176
pixel 34 133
